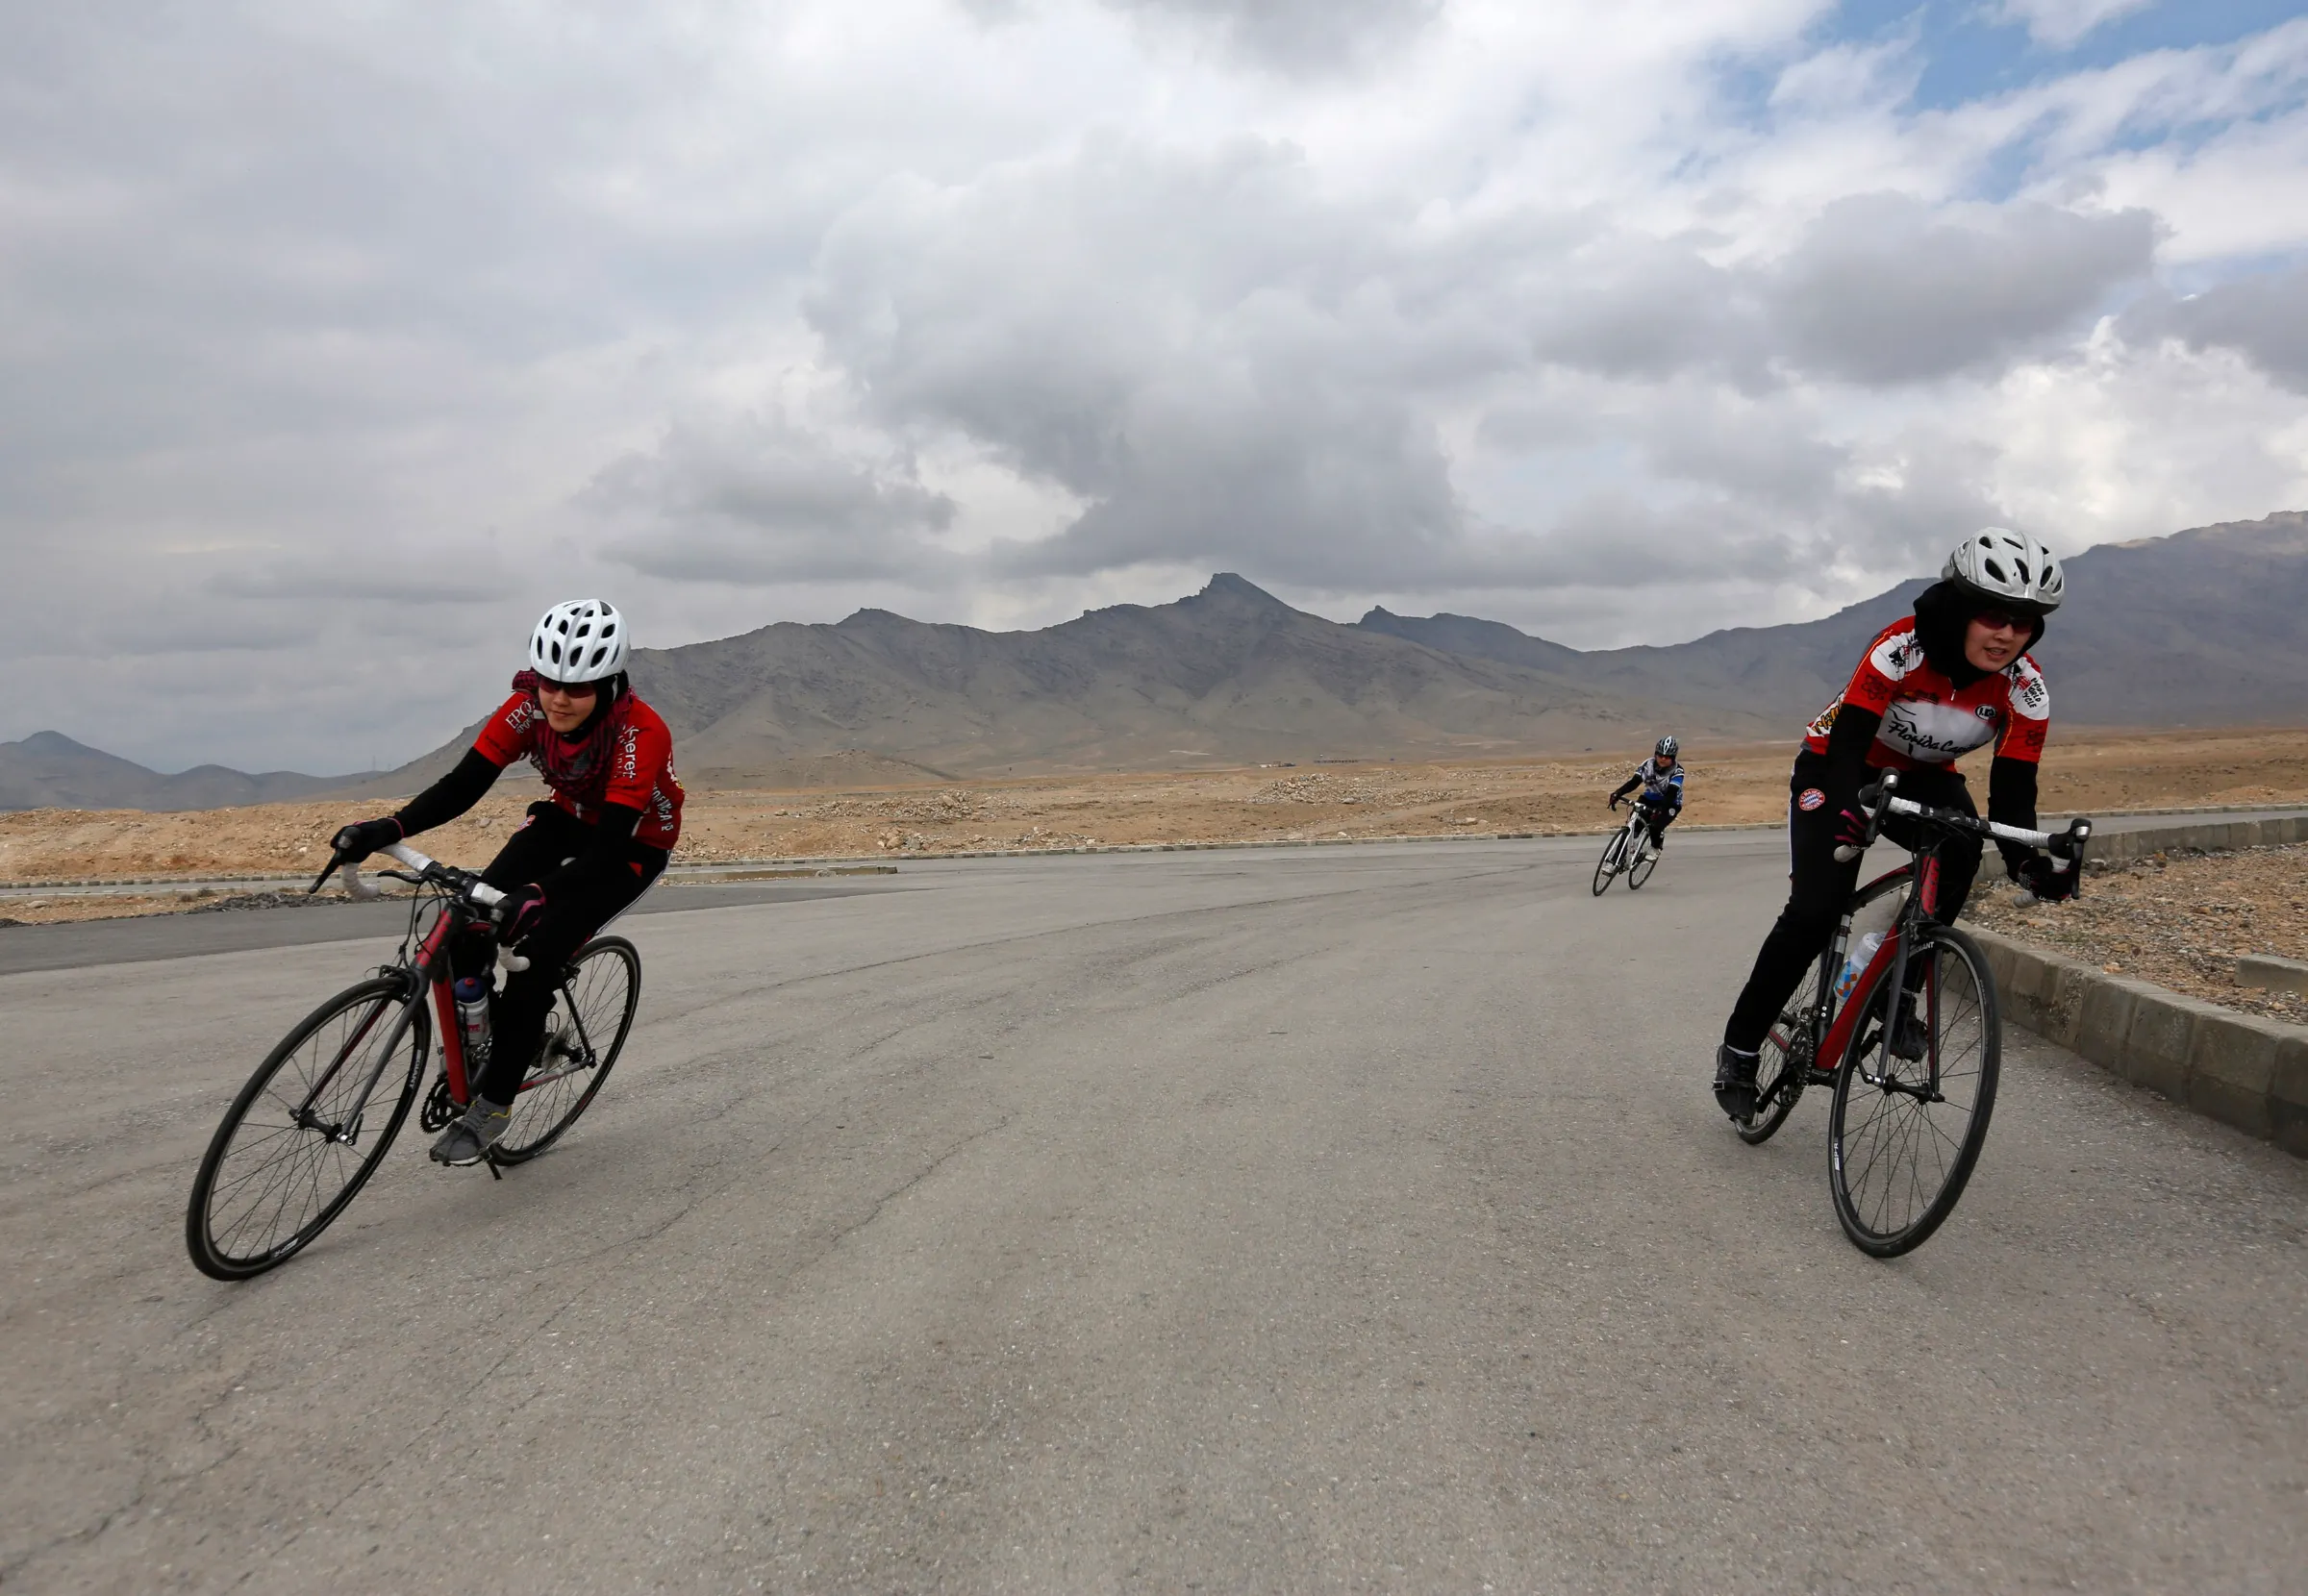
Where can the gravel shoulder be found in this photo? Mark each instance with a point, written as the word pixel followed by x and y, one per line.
pixel 2180 920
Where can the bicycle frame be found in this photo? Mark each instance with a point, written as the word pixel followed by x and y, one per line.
pixel 430 969
pixel 1631 834
pixel 1831 1025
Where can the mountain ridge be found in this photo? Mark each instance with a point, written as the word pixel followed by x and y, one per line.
pixel 2202 627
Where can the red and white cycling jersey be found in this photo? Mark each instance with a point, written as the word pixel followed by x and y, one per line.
pixel 1927 720
pixel 636 769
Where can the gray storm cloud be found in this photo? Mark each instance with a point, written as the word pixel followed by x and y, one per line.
pixel 2263 317
pixel 760 500
pixel 1299 35
pixel 1883 291
pixel 1231 368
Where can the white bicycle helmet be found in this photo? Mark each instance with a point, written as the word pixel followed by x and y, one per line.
pixel 580 641
pixel 2010 566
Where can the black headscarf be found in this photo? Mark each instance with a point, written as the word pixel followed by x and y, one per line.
pixel 1943 612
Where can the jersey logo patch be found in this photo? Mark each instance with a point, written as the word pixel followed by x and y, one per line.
pixel 1811 799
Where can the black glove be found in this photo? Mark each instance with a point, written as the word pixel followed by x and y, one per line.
pixel 1612 801
pixel 519 914
pixel 364 837
pixel 2037 875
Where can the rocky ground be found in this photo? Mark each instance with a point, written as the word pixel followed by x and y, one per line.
pixel 2180 921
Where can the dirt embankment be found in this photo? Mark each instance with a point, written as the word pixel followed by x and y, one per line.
pixel 2085 773
pixel 2180 920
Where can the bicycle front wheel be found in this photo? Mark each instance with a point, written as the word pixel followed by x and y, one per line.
pixel 308 1130
pixel 1904 1134
pixel 584 1034
pixel 1614 851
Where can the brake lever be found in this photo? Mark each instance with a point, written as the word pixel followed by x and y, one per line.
pixel 326 871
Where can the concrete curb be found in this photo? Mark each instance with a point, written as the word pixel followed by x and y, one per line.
pixel 2209 837
pixel 2239 1069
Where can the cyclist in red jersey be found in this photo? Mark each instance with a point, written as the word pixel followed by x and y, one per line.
pixel 1953 677
pixel 583 855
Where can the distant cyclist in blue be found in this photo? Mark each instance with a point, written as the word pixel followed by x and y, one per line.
pixel 1661 779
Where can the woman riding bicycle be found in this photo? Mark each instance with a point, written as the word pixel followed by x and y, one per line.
pixel 1951 677
pixel 1660 778
pixel 583 855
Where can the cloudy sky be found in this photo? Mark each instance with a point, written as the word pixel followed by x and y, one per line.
pixel 337 339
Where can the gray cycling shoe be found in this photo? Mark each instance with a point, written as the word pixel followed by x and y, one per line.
pixel 468 1140
pixel 1735 1082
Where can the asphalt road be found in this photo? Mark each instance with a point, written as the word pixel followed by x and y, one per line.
pixel 1309 1220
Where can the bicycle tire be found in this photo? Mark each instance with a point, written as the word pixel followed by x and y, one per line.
pixel 1613 852
pixel 294 1168
pixel 604 982
pixel 1896 1169
pixel 1784 1068
pixel 1646 860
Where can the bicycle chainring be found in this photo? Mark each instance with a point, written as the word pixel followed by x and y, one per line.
pixel 436 1111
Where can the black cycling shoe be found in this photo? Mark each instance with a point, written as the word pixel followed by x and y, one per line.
pixel 1735 1082
pixel 1911 1038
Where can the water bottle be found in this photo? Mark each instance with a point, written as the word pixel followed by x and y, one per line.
pixel 1855 964
pixel 472 1016
pixel 1869 927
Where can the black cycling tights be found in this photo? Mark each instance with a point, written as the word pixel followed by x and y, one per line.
pixel 1820 888
pixel 577 904
pixel 1658 817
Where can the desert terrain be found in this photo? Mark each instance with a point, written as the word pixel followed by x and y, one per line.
pixel 2180 921
pixel 2084 773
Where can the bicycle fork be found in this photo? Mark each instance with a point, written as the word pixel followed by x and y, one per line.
pixel 347 1131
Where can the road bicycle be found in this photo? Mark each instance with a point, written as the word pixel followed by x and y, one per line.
pixel 316 1119
pixel 1630 852
pixel 1914 1086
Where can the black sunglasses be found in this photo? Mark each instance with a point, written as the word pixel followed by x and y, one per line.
pixel 571 689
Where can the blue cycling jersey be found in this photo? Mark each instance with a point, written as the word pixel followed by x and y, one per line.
pixel 1661 786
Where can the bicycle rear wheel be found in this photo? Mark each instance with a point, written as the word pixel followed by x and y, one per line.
pixel 294 1149
pixel 1646 860
pixel 1905 1135
pixel 1614 852
pixel 1785 1065
pixel 584 1034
